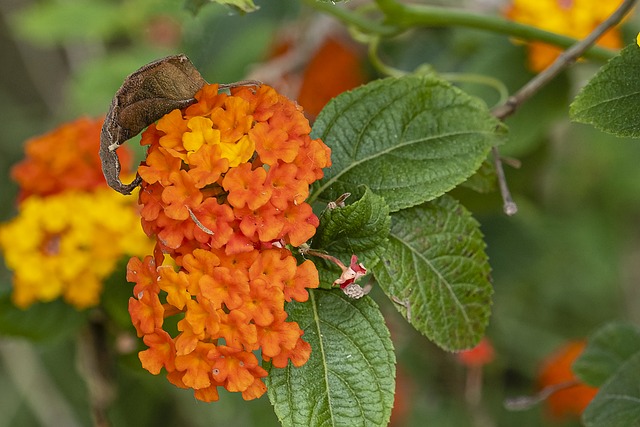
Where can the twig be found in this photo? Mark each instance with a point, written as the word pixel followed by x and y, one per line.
pixel 509 206
pixel 565 59
pixel 408 15
pixel 522 403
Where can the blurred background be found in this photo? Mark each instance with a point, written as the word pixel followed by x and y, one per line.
pixel 568 262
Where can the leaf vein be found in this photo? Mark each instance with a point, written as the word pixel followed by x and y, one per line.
pixel 442 280
pixel 356 163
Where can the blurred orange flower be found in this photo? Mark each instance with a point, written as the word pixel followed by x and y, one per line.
pixel 480 355
pixel 334 68
pixel 71 229
pixel 556 369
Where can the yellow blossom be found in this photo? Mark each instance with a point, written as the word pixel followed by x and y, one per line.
pixel 67 244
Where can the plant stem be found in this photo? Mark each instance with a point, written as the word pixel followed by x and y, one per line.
pixel 96 366
pixel 522 403
pixel 565 59
pixel 400 17
pixel 509 206
pixel 351 18
pixel 407 16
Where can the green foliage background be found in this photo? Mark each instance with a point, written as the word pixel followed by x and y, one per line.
pixel 567 263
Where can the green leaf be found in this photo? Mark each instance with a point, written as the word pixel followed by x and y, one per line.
pixel 437 272
pixel 356 228
pixel 349 378
pixel 484 180
pixel 611 99
pixel 243 6
pixel 360 228
pixel 617 404
pixel 608 348
pixel 41 321
pixel 409 139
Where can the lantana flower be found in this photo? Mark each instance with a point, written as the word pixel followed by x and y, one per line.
pixel 223 189
pixel 63 159
pixel 574 18
pixel 71 229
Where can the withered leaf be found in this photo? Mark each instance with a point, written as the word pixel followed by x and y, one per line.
pixel 145 96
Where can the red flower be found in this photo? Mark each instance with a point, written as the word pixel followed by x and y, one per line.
pixel 480 355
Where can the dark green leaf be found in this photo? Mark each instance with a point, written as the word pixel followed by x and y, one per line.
pixel 611 99
pixel 484 180
pixel 357 228
pixel 41 321
pixel 617 404
pixel 409 139
pixel 349 378
pixel 608 348
pixel 437 272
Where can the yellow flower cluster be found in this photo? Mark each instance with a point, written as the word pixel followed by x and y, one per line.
pixel 574 18
pixel 71 228
pixel 67 244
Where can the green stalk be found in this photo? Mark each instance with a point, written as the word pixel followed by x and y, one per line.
pixel 401 17
pixel 409 16
pixel 354 19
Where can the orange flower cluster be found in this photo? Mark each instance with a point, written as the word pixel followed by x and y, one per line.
pixel 223 189
pixel 64 159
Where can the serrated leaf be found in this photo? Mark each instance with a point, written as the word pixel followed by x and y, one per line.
pixel 349 379
pixel 357 228
pixel 409 139
pixel 617 403
pixel 243 6
pixel 611 99
pixel 608 348
pixel 437 272
pixel 41 321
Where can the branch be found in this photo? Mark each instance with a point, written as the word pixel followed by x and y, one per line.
pixel 409 15
pixel 351 18
pixel 522 403
pixel 509 206
pixel 563 61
